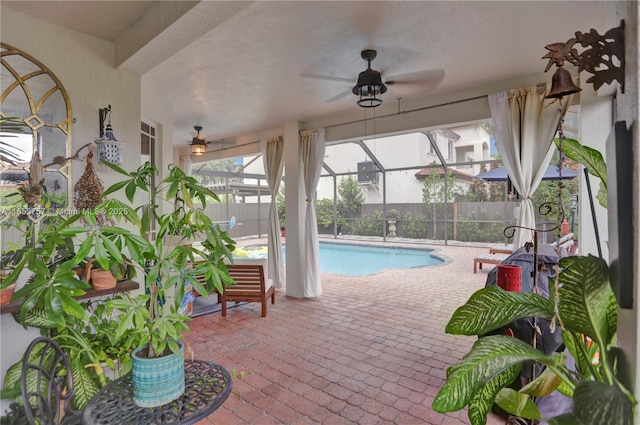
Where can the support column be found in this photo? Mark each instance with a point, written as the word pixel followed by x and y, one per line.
pixel 294 205
pixel 595 124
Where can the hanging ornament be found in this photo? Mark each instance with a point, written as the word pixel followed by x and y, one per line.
pixel 88 190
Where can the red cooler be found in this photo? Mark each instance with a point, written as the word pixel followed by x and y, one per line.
pixel 510 277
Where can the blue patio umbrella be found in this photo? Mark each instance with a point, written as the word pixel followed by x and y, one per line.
pixel 552 173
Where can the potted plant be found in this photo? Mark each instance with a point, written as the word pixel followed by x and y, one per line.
pixel 392 218
pixel 90 347
pixel 582 306
pixel 152 322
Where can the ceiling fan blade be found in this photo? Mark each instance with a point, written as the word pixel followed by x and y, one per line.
pixel 328 78
pixel 339 96
pixel 431 77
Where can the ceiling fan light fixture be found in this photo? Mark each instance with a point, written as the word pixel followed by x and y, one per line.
pixel 198 144
pixel 369 100
pixel 369 85
pixel 369 88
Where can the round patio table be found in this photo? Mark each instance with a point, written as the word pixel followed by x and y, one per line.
pixel 207 386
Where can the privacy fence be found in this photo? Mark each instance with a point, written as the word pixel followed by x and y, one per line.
pixel 464 221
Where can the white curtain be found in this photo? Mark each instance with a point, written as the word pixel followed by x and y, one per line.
pixel 272 151
pixel 312 148
pixel 525 124
pixel 185 164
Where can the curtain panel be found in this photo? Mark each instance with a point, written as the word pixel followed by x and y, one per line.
pixel 525 125
pixel 272 157
pixel 312 149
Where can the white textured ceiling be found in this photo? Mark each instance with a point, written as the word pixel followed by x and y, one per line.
pixel 239 67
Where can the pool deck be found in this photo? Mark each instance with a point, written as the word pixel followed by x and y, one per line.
pixel 370 350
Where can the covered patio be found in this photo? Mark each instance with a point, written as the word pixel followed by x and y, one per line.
pixel 369 351
pixel 361 350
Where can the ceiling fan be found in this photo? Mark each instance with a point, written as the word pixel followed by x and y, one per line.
pixel 199 144
pixel 370 84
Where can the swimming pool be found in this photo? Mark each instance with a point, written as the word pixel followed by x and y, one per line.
pixel 362 260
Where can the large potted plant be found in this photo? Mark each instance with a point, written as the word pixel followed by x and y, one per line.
pixel 153 322
pixel 581 305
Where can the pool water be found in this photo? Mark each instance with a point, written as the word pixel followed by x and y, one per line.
pixel 360 260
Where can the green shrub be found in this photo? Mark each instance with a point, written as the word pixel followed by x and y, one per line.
pixel 470 229
pixel 366 226
pixel 414 228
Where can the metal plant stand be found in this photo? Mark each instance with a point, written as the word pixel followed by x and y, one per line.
pixel 207 386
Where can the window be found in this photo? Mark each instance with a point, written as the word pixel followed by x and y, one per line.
pixel 147 142
pixel 148 153
pixel 450 151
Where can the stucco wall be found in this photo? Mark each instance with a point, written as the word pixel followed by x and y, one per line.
pixel 84 65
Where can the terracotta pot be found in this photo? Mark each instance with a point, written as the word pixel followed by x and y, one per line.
pixel 6 294
pixel 100 279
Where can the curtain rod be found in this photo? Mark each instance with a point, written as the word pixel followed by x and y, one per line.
pixel 424 108
pixel 226 149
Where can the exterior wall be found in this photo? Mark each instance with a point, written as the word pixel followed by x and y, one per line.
pixel 408 150
pixel 84 65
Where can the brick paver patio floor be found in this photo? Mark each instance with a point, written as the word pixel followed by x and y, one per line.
pixel 370 350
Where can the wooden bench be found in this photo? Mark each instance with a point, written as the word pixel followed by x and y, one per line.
pixel 501 249
pixel 250 286
pixel 488 259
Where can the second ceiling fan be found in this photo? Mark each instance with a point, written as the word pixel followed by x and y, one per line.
pixel 199 144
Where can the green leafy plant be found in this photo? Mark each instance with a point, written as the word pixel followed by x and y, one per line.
pixel 88 346
pixel 393 214
pixel 16 415
pixel 51 259
pixel 583 307
pixel 414 228
pixel 169 269
pixel 592 159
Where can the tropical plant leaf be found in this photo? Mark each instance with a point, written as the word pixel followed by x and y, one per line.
pixel 483 399
pixel 602 196
pixel 542 386
pixel 518 404
pixel 589 157
pixel 492 307
pixel 13 375
pixel 53 305
pixel 84 249
pixel 112 249
pixel 38 318
pixel 115 168
pixel 597 403
pixel 585 296
pixel 488 357
pixel 114 188
pixel 579 351
pixel 84 386
pixel 612 314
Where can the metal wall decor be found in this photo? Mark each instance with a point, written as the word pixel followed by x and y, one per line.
pixel 603 57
